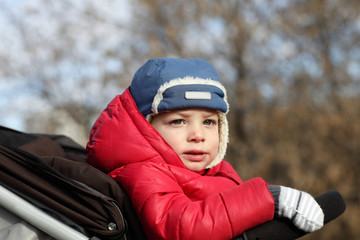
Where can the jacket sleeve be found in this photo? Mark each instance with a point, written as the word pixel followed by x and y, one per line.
pixel 167 213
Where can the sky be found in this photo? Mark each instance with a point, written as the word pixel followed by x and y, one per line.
pixel 20 91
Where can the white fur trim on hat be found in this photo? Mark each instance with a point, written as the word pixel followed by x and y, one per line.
pixel 184 81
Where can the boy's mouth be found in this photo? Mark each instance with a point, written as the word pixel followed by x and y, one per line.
pixel 195 155
pixel 195 152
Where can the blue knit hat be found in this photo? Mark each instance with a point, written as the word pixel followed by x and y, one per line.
pixel 164 84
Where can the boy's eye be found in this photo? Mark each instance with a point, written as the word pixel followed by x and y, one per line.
pixel 209 122
pixel 178 122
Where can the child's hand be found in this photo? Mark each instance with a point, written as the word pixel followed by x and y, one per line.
pixel 300 207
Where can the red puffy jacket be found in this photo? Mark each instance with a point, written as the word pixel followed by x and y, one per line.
pixel 171 201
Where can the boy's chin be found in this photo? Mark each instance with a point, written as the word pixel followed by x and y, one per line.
pixel 195 167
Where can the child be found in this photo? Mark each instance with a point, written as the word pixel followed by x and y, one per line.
pixel 164 140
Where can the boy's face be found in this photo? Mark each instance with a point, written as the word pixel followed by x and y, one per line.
pixel 193 134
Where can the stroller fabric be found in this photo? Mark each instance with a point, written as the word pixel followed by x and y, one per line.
pixel 51 172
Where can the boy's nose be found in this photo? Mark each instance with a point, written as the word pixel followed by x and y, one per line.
pixel 196 134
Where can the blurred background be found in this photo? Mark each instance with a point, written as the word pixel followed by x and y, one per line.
pixel 292 70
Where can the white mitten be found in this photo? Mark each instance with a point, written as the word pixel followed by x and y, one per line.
pixel 298 206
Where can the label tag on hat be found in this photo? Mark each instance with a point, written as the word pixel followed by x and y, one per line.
pixel 197 95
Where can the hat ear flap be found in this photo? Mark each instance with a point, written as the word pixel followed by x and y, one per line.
pixel 223 140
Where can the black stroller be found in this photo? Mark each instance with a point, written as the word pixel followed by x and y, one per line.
pixel 49 191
